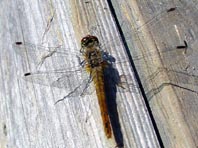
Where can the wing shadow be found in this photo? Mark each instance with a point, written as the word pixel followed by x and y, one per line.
pixel 178 79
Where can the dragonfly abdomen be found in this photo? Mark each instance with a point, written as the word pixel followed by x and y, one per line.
pixel 100 91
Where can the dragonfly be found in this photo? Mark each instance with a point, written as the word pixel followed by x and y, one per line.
pixel 91 69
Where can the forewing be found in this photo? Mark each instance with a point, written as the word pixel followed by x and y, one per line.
pixel 40 56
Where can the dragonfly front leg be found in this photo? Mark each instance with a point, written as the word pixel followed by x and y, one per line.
pixel 81 63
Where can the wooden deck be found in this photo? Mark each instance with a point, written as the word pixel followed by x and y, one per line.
pixel 155 46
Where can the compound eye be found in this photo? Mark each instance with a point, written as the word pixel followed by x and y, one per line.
pixel 94 38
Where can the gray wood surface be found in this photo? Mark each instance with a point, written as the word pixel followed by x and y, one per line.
pixel 28 116
pixel 169 74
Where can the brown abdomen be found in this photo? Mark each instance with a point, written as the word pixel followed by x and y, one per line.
pixel 100 91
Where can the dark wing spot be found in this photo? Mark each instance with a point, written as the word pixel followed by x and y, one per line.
pixel 171 9
pixel 27 74
pixel 18 43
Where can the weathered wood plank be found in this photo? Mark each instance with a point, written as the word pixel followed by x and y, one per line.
pixel 168 73
pixel 28 116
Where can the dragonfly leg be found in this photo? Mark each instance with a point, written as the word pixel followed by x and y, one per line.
pixel 81 63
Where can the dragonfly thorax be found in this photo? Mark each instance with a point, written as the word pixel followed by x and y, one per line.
pixel 94 58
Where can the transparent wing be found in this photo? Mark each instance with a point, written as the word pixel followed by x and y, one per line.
pixel 76 83
pixel 55 67
pixel 41 56
pixel 40 49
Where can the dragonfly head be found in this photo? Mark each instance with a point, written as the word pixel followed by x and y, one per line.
pixel 89 41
